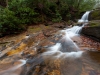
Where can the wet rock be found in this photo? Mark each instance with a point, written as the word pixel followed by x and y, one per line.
pixel 42 49
pixel 46 43
pixel 49 32
pixel 60 25
pixel 54 72
pixel 30 52
pixel 92 31
pixel 11 68
pixel 94 15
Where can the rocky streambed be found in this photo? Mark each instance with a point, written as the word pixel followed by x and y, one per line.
pixel 29 55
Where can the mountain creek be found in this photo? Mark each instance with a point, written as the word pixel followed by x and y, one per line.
pixel 49 50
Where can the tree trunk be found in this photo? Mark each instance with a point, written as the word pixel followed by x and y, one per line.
pixel 7 4
pixel 79 1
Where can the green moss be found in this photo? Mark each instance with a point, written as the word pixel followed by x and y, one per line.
pixel 94 24
pixel 95 15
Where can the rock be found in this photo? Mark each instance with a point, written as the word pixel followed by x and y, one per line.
pixel 13 68
pixel 48 23
pixel 92 31
pixel 49 32
pixel 78 24
pixel 94 23
pixel 94 15
pixel 60 25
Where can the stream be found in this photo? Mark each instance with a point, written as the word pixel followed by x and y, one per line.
pixel 72 54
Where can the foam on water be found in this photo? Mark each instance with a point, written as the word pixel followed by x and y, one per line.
pixel 55 52
pixel 54 49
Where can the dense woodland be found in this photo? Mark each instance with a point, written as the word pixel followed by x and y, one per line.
pixel 16 15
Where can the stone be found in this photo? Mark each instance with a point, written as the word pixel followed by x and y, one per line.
pixel 94 15
pixel 92 32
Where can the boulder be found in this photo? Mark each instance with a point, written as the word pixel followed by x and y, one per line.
pixel 92 31
pixel 94 15
pixel 61 25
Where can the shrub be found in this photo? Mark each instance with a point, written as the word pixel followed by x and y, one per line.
pixel 9 23
pixel 57 17
pixel 27 15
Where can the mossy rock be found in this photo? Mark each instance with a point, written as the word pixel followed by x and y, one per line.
pixel 92 30
pixel 95 15
pixel 94 23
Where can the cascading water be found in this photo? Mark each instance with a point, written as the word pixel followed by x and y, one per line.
pixel 66 44
pixel 65 53
pixel 75 30
pixel 84 17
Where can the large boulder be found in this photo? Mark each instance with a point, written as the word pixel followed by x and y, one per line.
pixel 92 31
pixel 94 15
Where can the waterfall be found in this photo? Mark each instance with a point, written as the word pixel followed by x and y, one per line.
pixel 84 17
pixel 75 30
pixel 65 47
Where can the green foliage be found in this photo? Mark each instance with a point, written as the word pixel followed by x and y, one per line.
pixel 57 17
pixel 24 13
pixel 9 23
pixel 95 15
pixel 87 5
pixel 16 14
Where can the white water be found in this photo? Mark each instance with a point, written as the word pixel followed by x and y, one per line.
pixel 55 52
pixel 67 48
pixel 75 30
pixel 84 17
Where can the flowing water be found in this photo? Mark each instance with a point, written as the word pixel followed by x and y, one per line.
pixel 71 59
pixel 84 17
pixel 67 57
pixel 13 68
pixel 66 44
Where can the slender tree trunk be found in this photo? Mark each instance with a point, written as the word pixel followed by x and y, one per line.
pixel 7 4
pixel 79 1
